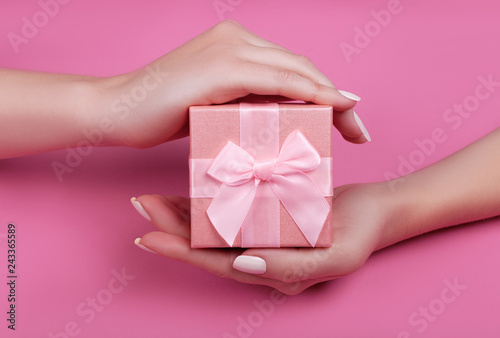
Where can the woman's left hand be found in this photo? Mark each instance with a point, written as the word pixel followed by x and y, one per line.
pixel 361 215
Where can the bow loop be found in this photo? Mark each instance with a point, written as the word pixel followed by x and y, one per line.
pixel 232 165
pixel 297 154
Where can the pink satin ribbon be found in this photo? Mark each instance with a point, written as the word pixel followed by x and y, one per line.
pixel 241 177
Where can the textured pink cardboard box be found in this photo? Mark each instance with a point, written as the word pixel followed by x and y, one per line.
pixel 213 126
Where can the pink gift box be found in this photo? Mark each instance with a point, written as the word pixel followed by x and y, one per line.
pixel 260 175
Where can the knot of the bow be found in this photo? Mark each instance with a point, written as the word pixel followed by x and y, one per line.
pixel 264 170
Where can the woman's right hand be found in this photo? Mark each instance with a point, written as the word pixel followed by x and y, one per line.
pixel 224 63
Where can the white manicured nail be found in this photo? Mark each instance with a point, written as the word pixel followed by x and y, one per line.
pixel 349 95
pixel 362 127
pixel 137 242
pixel 140 209
pixel 250 264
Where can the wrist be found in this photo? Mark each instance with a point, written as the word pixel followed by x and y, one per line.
pixel 403 212
pixel 377 210
pixel 104 123
pixel 415 207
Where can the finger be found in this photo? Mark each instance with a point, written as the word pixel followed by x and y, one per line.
pixel 290 84
pixel 343 121
pixel 165 215
pixel 263 98
pixel 274 55
pixel 348 253
pixel 265 80
pixel 351 128
pixel 297 287
pixel 216 261
pixel 183 204
pixel 179 248
pixel 299 64
pixel 178 200
pixel 181 133
pixel 291 265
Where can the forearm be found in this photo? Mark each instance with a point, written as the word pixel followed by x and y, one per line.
pixel 42 112
pixel 461 188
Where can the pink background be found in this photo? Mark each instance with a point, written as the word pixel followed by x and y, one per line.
pixel 73 235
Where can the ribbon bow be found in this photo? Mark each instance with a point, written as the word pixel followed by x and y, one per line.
pixel 241 176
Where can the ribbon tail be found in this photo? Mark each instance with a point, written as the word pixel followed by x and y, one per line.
pixel 229 208
pixel 293 190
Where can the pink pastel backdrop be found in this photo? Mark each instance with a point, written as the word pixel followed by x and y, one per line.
pixel 75 235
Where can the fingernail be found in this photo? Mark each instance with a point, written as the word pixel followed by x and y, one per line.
pixel 349 95
pixel 137 242
pixel 362 127
pixel 250 264
pixel 140 209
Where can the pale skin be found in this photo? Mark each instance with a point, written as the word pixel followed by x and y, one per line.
pixel 461 188
pixel 42 112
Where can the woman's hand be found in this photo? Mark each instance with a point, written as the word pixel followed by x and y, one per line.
pixel 460 188
pixel 149 106
pixel 360 216
pixel 227 62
